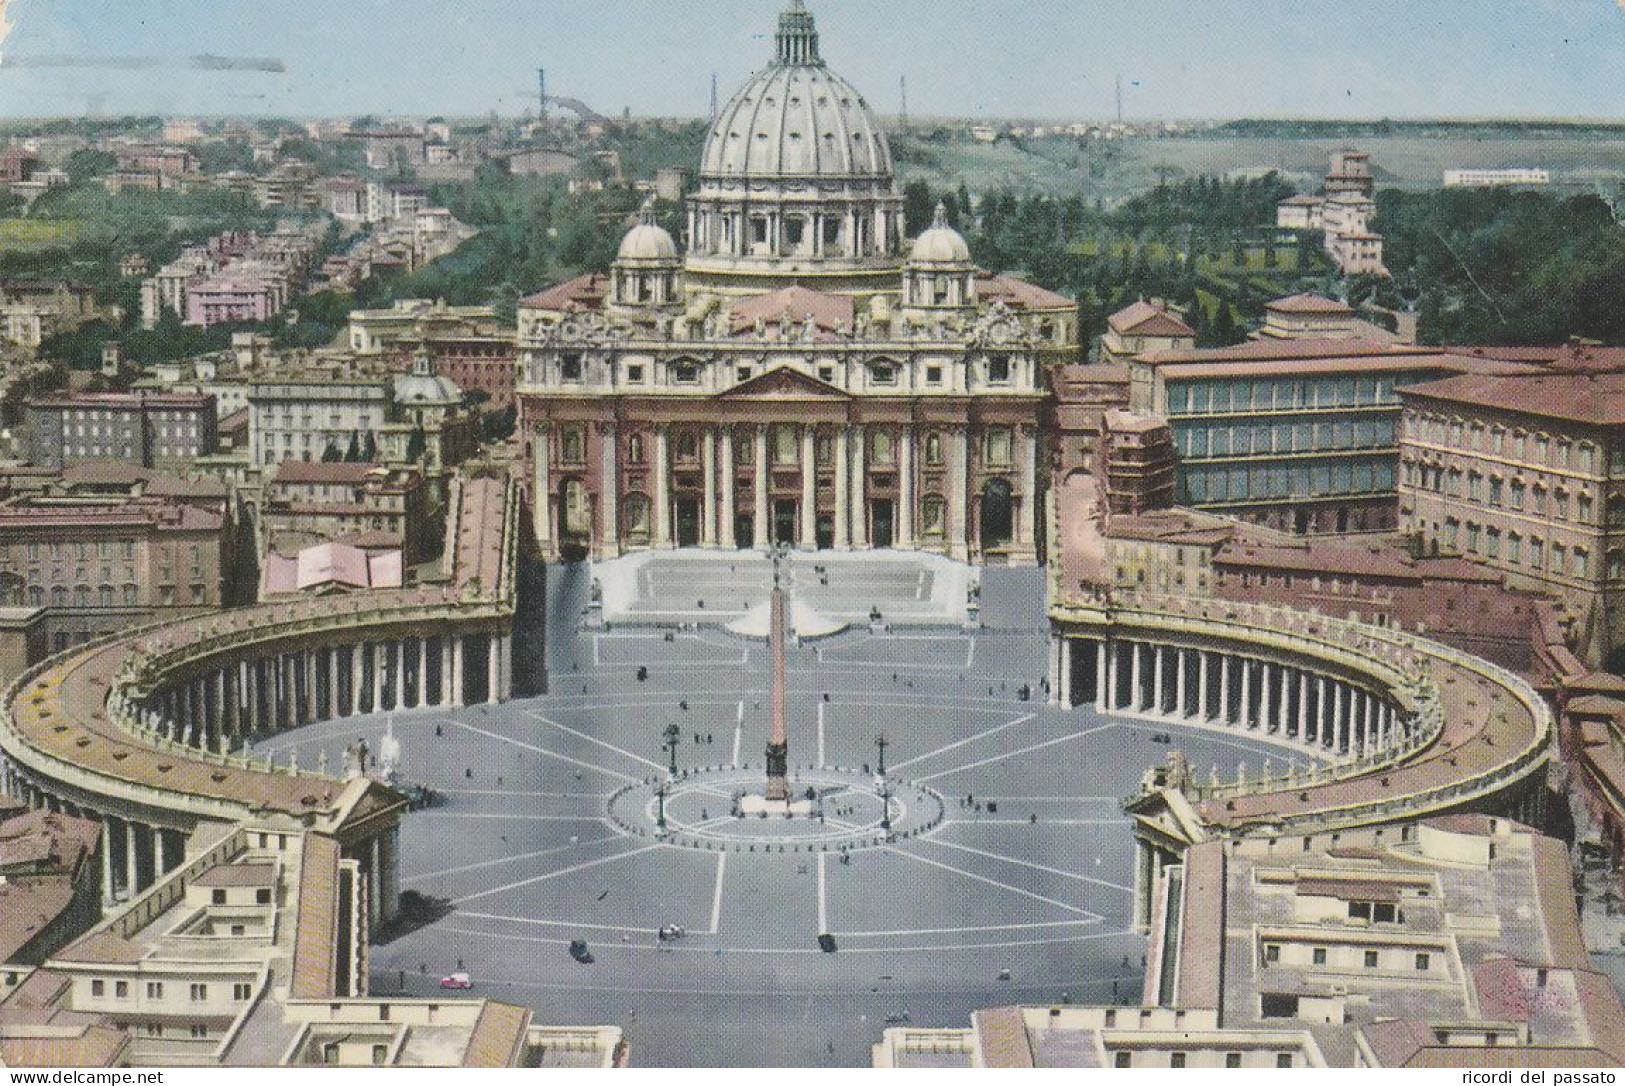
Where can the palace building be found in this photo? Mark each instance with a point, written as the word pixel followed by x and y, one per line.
pixel 803 374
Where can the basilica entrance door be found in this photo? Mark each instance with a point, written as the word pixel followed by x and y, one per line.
pixel 826 532
pixel 784 522
pixel 998 515
pixel 745 532
pixel 688 522
pixel 882 529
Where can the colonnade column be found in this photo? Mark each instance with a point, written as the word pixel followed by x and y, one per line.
pixel 1303 707
pixel 1224 689
pixel 1266 690
pixel 1181 683
pixel 1249 719
pixel 1136 676
pixel 1202 660
pixel 1103 676
pixel 1157 677
pixel 1370 724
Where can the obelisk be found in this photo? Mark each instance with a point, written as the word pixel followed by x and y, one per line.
pixel 778 742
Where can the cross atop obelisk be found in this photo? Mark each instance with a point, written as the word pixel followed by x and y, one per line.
pixel 778 742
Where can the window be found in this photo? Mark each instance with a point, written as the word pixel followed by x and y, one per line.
pixel 685 373
pixel 262 897
pixel 742 373
pixel 570 367
pixel 1318 955
pixel 330 1052
pixel 1232 1059
pixel 121 989
pixel 217 897
pixel 1385 912
pixel 200 1031
pixel 98 988
pixel 1371 959
pixel 998 371
pixel 785 454
pixel 380 1053
pixel 1284 1059
pixel 744 450
pixel 1360 910
pixel 155 989
pixel 1176 1059
pixel 997 447
pixel 634 375
pixel 933 375
pixel 933 450
pixel 688 446
pixel 634 449
pixel 883 449
pixel 199 993
pixel 1422 963
pixel 242 993
pixel 1123 1059
pixel 883 373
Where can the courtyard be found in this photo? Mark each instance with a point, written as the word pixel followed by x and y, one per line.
pixel 996 868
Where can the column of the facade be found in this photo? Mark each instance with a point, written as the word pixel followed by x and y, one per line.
pixel 761 537
pixel 708 465
pixel 860 488
pixel 445 673
pixel 809 488
pixel 1029 489
pixel 844 512
pixel 662 494
pixel 543 495
pixel 609 492
pixel 958 486
pixel 905 490
pixel 730 536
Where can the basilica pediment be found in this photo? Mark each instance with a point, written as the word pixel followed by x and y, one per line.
pixel 785 383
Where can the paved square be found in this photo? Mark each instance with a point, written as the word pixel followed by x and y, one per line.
pixel 1026 868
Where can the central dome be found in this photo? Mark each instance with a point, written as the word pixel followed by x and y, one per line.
pixel 796 186
pixel 797 118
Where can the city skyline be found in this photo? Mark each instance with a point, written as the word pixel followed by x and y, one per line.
pixel 1516 58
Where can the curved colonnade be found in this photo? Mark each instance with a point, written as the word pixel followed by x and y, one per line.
pixel 138 729
pixel 1400 727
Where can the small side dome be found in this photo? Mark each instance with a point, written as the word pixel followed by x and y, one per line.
pixel 941 244
pixel 648 240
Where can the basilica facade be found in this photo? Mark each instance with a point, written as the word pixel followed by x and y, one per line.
pixel 803 373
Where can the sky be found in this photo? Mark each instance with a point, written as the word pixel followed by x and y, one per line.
pixel 1198 59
